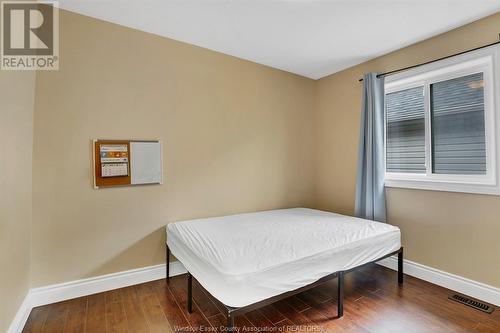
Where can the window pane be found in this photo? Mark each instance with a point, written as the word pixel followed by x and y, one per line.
pixel 405 144
pixel 458 136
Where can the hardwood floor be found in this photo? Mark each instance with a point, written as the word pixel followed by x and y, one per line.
pixel 373 303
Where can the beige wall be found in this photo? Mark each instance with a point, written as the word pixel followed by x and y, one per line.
pixel 17 91
pixel 237 137
pixel 454 232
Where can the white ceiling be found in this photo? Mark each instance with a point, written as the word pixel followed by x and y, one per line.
pixel 313 38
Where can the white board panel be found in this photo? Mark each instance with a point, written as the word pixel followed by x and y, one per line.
pixel 146 162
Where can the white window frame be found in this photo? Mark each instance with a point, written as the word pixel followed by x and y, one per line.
pixel 487 61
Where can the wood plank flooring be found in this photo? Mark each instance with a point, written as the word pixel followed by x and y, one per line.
pixel 374 303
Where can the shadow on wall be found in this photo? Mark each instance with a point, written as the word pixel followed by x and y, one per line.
pixel 139 251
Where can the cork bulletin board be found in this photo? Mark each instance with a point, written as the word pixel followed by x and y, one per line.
pixel 127 162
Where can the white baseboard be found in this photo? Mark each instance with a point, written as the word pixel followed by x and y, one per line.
pixel 454 282
pixel 64 291
pixel 22 314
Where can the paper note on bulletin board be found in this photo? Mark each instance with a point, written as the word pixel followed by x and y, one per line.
pixel 114 160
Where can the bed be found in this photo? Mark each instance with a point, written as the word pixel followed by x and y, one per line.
pixel 247 261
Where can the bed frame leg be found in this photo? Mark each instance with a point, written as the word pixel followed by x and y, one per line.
pixel 167 262
pixel 400 266
pixel 340 304
pixel 230 322
pixel 190 293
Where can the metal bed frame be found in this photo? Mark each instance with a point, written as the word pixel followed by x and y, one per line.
pixel 232 312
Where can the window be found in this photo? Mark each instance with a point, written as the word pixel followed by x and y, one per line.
pixel 441 125
pixel 405 131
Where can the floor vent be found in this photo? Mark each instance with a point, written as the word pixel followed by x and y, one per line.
pixel 472 303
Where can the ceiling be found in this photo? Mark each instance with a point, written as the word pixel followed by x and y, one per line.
pixel 312 38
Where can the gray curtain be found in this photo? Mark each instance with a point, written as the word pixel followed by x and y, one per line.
pixel 370 194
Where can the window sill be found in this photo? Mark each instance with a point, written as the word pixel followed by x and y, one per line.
pixel 443 186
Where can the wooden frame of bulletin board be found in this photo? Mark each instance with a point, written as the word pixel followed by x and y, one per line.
pixel 127 162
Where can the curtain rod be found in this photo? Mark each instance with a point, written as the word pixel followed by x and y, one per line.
pixel 429 62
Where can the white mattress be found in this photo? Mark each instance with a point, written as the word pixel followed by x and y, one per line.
pixel 245 258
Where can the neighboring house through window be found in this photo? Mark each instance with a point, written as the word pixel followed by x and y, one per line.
pixel 442 125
